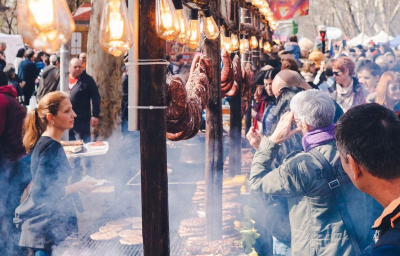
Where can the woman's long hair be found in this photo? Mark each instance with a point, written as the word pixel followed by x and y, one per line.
pixel 381 89
pixel 36 121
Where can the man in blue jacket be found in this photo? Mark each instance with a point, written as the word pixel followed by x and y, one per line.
pixel 83 90
pixel 368 139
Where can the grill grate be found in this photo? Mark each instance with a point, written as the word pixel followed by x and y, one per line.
pixel 180 207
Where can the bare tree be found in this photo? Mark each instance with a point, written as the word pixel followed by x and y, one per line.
pixel 352 17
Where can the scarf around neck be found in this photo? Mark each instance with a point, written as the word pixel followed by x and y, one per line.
pixel 318 137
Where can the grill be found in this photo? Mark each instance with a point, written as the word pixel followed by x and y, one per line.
pixel 181 187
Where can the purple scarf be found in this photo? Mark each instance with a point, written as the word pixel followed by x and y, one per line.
pixel 318 137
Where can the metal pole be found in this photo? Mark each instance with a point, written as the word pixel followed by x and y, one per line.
pixel 133 70
pixel 64 59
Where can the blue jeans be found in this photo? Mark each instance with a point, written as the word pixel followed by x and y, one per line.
pixel 41 252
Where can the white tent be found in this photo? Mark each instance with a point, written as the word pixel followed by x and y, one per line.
pixel 361 39
pixel 14 43
pixel 381 38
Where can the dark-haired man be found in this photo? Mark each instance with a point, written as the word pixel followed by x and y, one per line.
pixel 28 73
pixel 179 62
pixel 368 139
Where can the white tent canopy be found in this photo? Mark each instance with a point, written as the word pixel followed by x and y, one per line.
pixel 14 43
pixel 381 38
pixel 361 39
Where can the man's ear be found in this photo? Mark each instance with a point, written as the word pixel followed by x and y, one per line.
pixel 354 168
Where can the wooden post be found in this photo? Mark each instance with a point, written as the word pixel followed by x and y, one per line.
pixel 106 70
pixel 235 135
pixel 214 141
pixel 153 137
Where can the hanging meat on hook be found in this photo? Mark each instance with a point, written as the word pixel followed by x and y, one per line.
pixel 191 100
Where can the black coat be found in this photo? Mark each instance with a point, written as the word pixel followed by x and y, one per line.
pixel 84 92
pixel 28 72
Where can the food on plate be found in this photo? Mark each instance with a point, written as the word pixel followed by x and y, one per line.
pixel 121 222
pixel 97 144
pixel 132 240
pixel 72 149
pixel 101 236
pixel 130 232
pixel 111 229
pixel 72 143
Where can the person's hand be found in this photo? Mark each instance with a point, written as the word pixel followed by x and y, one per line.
pixel 283 130
pixel 86 186
pixel 22 84
pixel 94 121
pixel 254 136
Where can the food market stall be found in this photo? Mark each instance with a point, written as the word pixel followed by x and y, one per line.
pixel 208 205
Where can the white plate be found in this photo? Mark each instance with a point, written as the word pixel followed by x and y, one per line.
pixel 97 147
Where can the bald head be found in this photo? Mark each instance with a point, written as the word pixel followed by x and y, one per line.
pixel 288 78
pixel 75 67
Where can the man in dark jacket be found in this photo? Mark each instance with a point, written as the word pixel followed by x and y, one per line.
pixel 14 165
pixel 28 72
pixel 50 77
pixel 368 139
pixel 83 90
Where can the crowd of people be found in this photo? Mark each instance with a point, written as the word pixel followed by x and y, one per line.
pixel 326 133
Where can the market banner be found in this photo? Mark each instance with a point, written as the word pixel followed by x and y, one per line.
pixel 288 9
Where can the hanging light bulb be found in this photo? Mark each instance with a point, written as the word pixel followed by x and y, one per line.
pixel 246 46
pixel 234 42
pixel 167 23
pixel 222 38
pixel 267 47
pixel 241 48
pixel 227 42
pixel 253 42
pixel 115 30
pixel 260 43
pixel 210 27
pixel 194 25
pixel 184 33
pixel 45 24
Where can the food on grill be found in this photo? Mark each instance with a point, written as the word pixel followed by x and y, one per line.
pixel 218 247
pixel 111 229
pixel 132 240
pixel 122 222
pixel 130 232
pixel 137 225
pixel 101 236
pixel 72 143
pixel 193 222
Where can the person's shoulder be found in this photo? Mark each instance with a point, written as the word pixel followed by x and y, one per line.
pixel 87 78
pixel 46 144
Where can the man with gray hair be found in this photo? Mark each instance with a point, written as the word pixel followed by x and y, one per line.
pixel 311 181
pixel 50 77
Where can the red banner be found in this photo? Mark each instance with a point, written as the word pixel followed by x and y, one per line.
pixel 288 9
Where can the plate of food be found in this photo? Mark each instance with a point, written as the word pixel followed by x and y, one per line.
pixel 98 145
